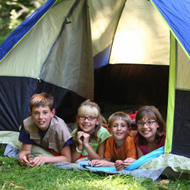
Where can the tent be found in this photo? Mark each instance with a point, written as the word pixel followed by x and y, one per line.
pixel 126 52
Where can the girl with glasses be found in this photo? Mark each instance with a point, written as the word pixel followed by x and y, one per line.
pixel 89 136
pixel 150 130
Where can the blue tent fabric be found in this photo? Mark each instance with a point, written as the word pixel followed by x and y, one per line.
pixel 94 168
pixel 22 29
pixel 142 160
pixel 102 58
pixel 177 15
pixel 135 165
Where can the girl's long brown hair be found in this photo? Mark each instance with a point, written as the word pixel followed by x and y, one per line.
pixel 152 113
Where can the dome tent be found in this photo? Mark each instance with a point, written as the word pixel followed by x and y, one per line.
pixel 60 47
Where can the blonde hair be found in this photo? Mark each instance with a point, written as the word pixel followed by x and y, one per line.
pixel 41 99
pixel 124 116
pixel 86 108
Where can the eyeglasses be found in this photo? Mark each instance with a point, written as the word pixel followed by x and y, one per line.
pixel 142 123
pixel 90 118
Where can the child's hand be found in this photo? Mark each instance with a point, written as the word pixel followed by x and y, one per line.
pixel 80 137
pixel 83 138
pixel 119 164
pixel 92 163
pixel 86 138
pixel 99 163
pixel 24 159
pixel 37 161
pixel 128 162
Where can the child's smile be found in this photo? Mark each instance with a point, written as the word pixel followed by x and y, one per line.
pixel 88 123
pixel 119 129
pixel 147 128
pixel 42 116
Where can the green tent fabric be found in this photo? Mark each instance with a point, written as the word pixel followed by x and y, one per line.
pixel 11 138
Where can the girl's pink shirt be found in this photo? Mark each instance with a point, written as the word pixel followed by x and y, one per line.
pixel 144 148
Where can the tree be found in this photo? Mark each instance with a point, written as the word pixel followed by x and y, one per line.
pixel 13 12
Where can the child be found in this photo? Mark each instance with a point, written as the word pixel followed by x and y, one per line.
pixel 89 136
pixel 120 147
pixel 46 130
pixel 151 130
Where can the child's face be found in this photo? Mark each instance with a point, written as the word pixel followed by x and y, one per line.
pixel 119 129
pixel 147 130
pixel 42 116
pixel 87 123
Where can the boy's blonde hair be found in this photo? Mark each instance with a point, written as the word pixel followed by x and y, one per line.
pixel 122 115
pixel 41 99
pixel 86 108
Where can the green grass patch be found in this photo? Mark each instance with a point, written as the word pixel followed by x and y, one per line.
pixel 48 177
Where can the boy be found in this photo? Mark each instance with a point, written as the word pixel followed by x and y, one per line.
pixel 45 129
pixel 120 147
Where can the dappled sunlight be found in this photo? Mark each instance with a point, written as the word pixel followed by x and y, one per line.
pixel 104 23
pixel 141 36
pixel 98 28
pixel 127 48
pixel 105 20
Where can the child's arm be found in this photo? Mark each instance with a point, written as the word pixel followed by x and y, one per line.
pixel 24 155
pixel 83 140
pixel 139 152
pixel 76 152
pixel 92 154
pixel 64 157
pixel 131 155
pixel 106 162
pixel 128 162
pixel 119 164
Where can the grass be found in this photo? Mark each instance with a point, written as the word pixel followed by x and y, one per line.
pixel 48 177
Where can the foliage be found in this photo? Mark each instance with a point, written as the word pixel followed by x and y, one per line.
pixel 48 177
pixel 13 12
